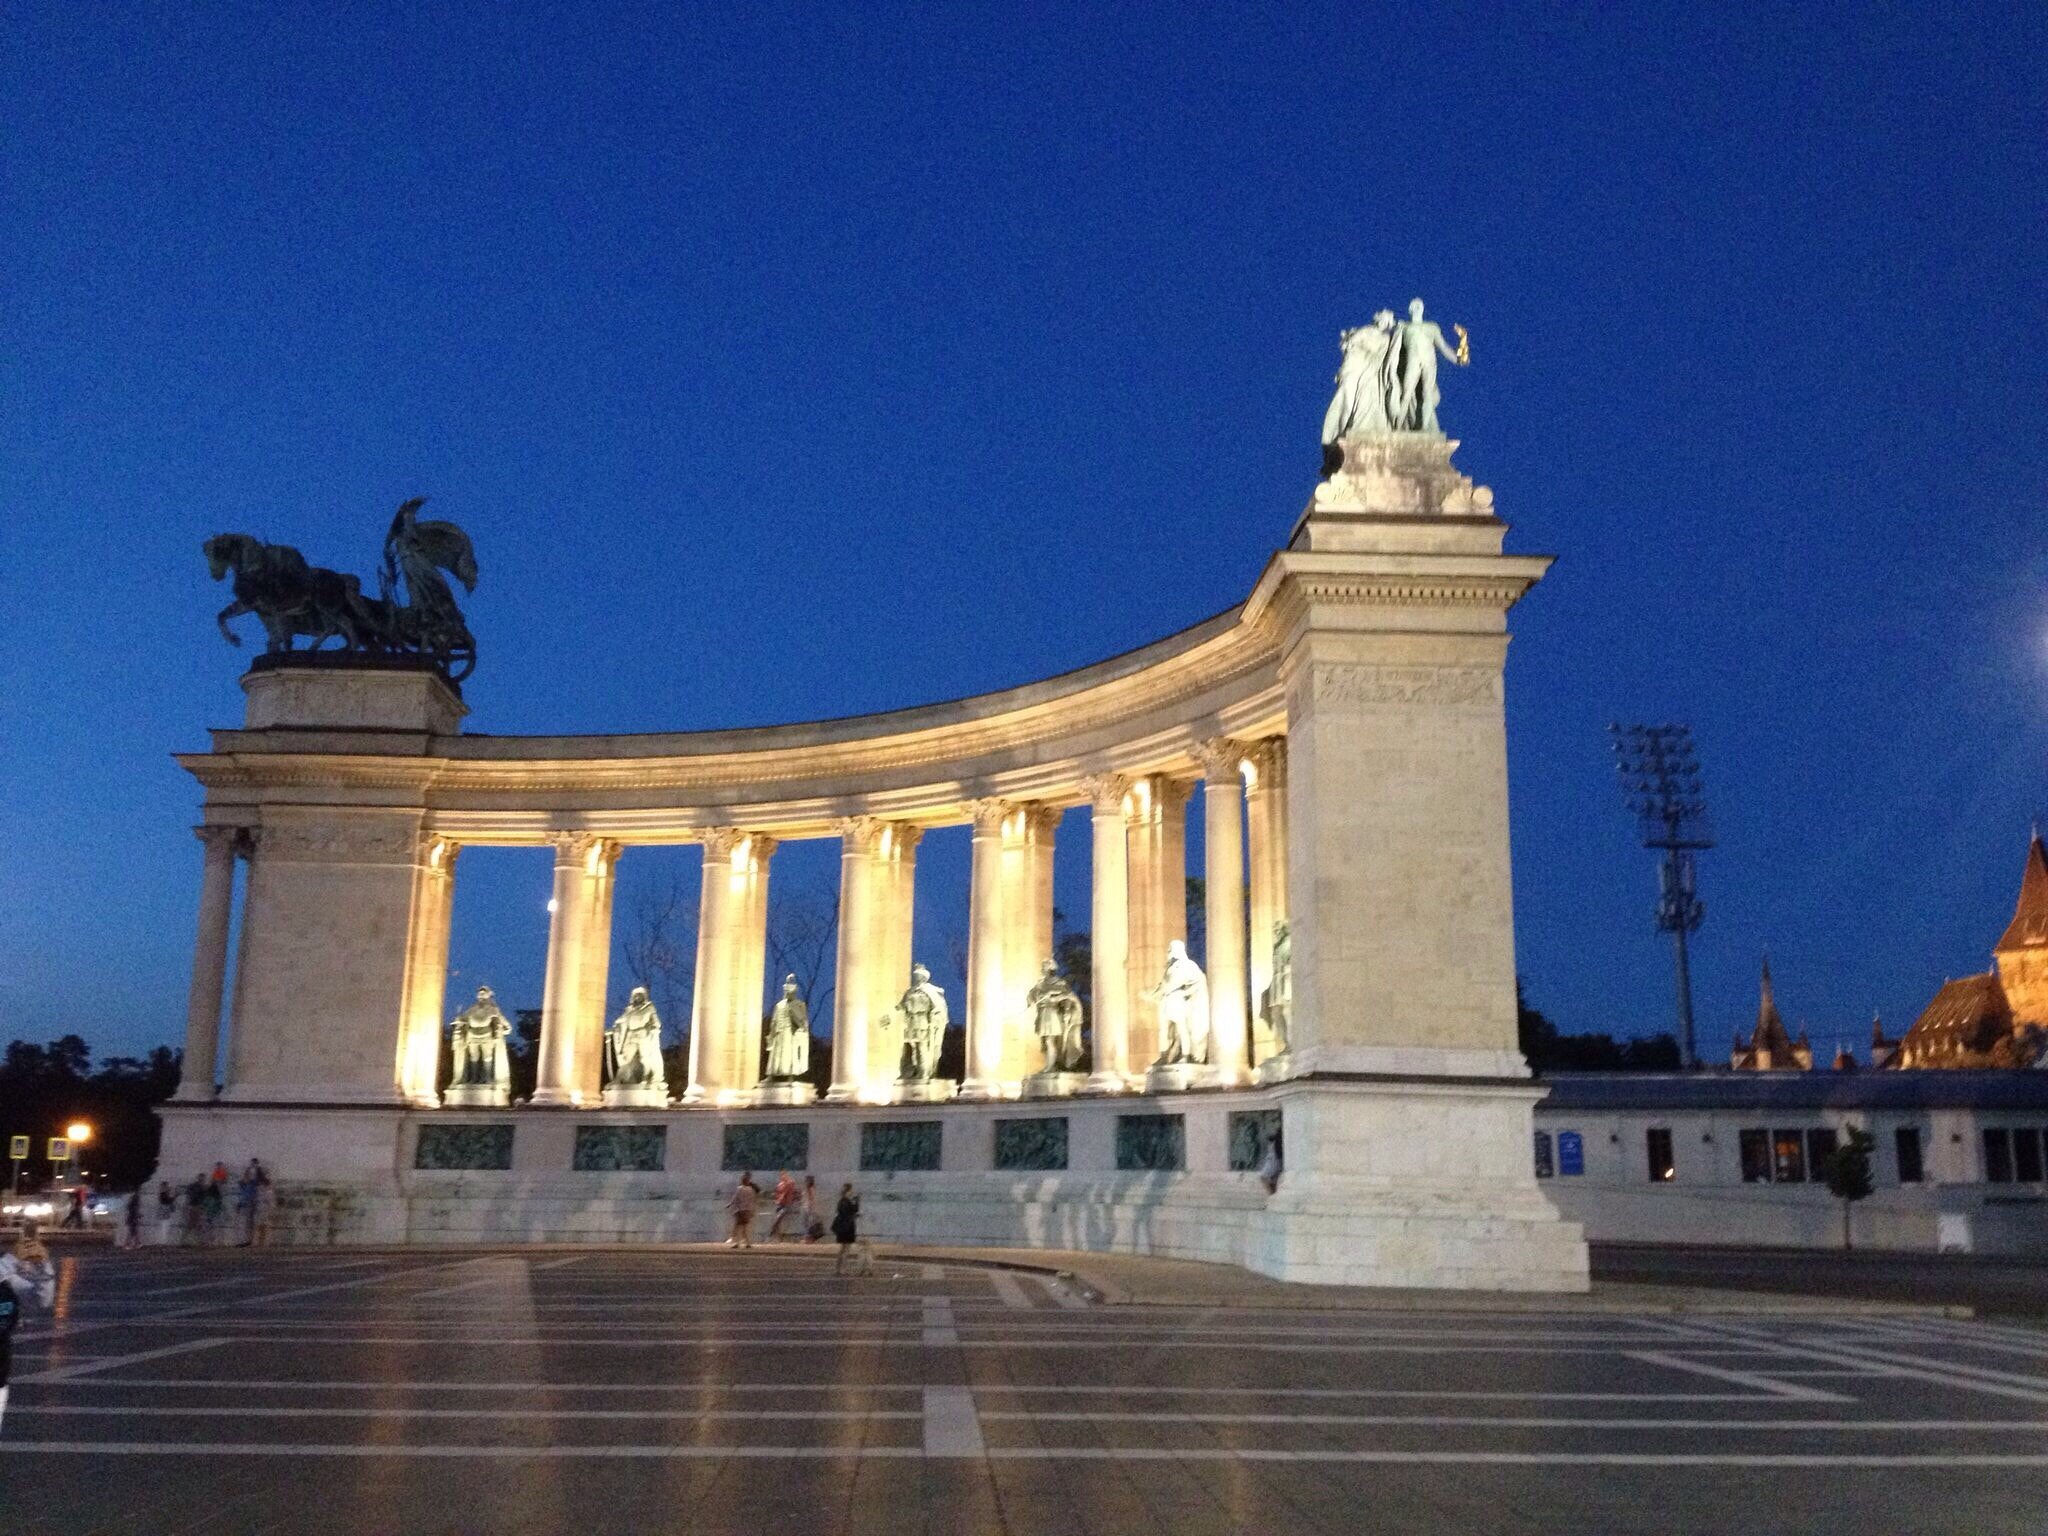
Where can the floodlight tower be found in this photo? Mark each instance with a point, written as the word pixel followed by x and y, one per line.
pixel 1660 780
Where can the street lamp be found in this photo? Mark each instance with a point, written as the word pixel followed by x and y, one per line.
pixel 1660 781
pixel 80 1133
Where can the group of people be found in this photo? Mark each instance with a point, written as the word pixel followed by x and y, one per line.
pixel 25 1274
pixel 209 1209
pixel 797 1203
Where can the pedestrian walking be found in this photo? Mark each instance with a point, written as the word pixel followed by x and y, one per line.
pixel 845 1226
pixel 26 1272
pixel 814 1224
pixel 746 1195
pixel 1271 1164
pixel 245 1203
pixel 131 1221
pixel 213 1208
pixel 166 1211
pixel 74 1215
pixel 266 1206
pixel 787 1199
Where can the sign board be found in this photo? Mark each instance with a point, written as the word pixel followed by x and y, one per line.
pixel 17 1147
pixel 1571 1154
pixel 60 1150
pixel 1543 1167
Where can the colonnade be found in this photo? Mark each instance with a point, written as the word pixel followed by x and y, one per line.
pixel 1138 907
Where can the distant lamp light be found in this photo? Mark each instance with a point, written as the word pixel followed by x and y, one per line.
pixel 78 1131
pixel 554 905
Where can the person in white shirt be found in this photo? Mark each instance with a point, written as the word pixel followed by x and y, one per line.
pixel 23 1273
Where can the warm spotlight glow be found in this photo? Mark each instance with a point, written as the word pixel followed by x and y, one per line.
pixel 78 1131
pixel 554 905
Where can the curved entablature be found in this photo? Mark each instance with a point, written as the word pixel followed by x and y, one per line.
pixel 1147 711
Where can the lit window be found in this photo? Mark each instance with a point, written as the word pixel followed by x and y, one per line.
pixel 1657 1141
pixel 1788 1157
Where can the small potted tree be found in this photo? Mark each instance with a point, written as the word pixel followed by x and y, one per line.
pixel 1847 1172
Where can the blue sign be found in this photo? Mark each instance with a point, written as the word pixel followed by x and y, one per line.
pixel 1571 1154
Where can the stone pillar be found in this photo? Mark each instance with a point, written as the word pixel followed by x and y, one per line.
pixel 1158 899
pixel 594 974
pixel 897 948
pixel 750 957
pixel 1110 921
pixel 1223 916
pixel 564 1000
pixel 861 952
pixel 988 915
pixel 1027 925
pixel 426 973
pixel 711 995
pixel 1266 826
pixel 209 961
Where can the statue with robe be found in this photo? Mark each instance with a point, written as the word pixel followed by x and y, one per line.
pixel 789 1036
pixel 632 1046
pixel 1363 386
pixel 921 1012
pixel 1280 990
pixel 1056 1015
pixel 1183 998
pixel 476 1043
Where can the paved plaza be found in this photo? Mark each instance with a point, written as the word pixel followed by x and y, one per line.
pixel 700 1390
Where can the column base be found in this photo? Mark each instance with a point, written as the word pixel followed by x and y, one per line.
pixel 1054 1085
pixel 1276 1068
pixel 476 1096
pixel 638 1096
pixel 783 1093
pixel 937 1091
pixel 983 1090
pixel 1106 1082
pixel 843 1093
pixel 555 1098
pixel 1180 1076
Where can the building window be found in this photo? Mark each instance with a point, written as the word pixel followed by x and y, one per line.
pixel 1998 1156
pixel 2026 1155
pixel 1820 1146
pixel 1544 1167
pixel 1756 1156
pixel 1907 1140
pixel 1788 1157
pixel 1657 1141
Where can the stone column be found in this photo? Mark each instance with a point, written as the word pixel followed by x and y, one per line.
pixel 594 976
pixel 1027 924
pixel 1266 825
pixel 750 957
pixel 1158 891
pixel 209 961
pixel 1223 915
pixel 711 994
pixel 860 952
pixel 898 921
pixel 987 939
pixel 563 1000
pixel 426 973
pixel 1110 921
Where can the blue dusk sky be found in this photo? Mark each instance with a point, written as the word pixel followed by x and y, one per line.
pixel 790 361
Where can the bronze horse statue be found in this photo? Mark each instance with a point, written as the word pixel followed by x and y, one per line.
pixel 292 598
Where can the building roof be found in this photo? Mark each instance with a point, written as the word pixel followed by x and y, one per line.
pixel 2029 926
pixel 1967 1014
pixel 1964 1089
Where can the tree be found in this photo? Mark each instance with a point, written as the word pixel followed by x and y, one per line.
pixel 1549 1050
pixel 803 941
pixel 1847 1171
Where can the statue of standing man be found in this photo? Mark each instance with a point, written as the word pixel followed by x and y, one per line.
pixel 1055 1010
pixel 922 1012
pixel 1413 396
pixel 632 1053
pixel 480 1071
pixel 789 1036
pixel 1183 997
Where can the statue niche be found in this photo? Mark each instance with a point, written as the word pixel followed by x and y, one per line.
pixel 293 599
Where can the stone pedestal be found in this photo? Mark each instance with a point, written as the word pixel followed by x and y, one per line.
pixel 1276 1068
pixel 476 1096
pixel 783 1092
pixel 638 1096
pixel 937 1091
pixel 1054 1085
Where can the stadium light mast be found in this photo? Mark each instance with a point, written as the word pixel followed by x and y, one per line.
pixel 1660 781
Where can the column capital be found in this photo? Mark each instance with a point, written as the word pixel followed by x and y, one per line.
pixel 1041 821
pixel 722 842
pixel 1106 791
pixel 1268 759
pixel 904 836
pixel 595 854
pixel 1222 759
pixel 760 847
pixel 226 841
pixel 989 815
pixel 862 834
pixel 1172 794
pixel 441 853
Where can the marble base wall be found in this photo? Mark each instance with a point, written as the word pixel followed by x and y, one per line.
pixel 1359 1204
